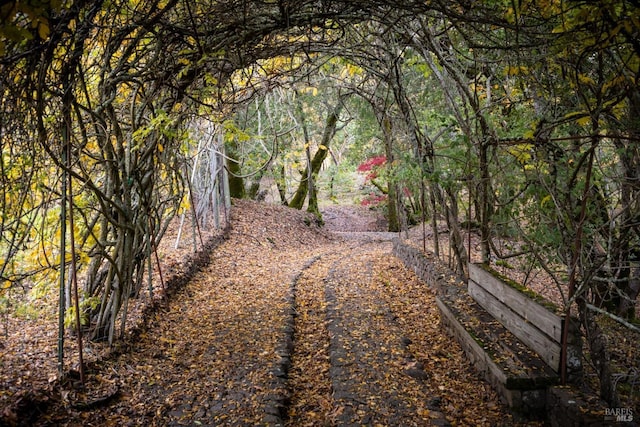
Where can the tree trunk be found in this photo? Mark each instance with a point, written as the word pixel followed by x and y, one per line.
pixel 254 187
pixel 628 277
pixel 313 195
pixel 485 202
pixel 597 342
pixel 312 169
pixel 281 184
pixel 236 182
pixel 455 236
pixel 392 192
pixel 434 220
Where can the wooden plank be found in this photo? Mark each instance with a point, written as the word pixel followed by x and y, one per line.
pixel 547 321
pixel 480 358
pixel 528 333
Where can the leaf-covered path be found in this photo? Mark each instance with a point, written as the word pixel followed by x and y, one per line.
pixel 348 329
pixel 290 325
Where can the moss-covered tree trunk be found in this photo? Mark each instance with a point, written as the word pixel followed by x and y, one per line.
pixel 253 192
pixel 486 204
pixel 392 193
pixel 313 195
pixel 313 167
pixel 236 182
pixel 281 184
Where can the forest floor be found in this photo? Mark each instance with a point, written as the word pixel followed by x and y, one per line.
pixel 287 323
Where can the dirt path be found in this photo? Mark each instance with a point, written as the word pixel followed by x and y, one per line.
pixel 353 219
pixel 287 326
pixel 351 361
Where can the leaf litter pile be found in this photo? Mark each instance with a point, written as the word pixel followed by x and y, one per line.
pixel 287 325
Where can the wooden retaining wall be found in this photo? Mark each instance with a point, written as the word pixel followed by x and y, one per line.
pixel 523 368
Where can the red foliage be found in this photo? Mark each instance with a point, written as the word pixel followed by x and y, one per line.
pixel 372 163
pixel 374 200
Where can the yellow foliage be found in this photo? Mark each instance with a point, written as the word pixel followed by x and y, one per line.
pixel 43 29
pixel 512 70
pixel 583 121
pixel 522 152
pixel 584 79
pixel 354 70
pixel 581 118
pixel 312 90
pixel 479 90
pixel 210 79
pixel 510 15
pixel 233 133
pixel 185 205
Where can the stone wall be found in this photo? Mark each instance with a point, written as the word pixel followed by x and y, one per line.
pixel 566 407
pixel 426 266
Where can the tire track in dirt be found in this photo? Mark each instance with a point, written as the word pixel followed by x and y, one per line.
pixel 351 361
pixel 376 379
pixel 277 405
pixel 311 401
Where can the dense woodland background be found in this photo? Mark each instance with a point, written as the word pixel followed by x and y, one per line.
pixel 517 119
